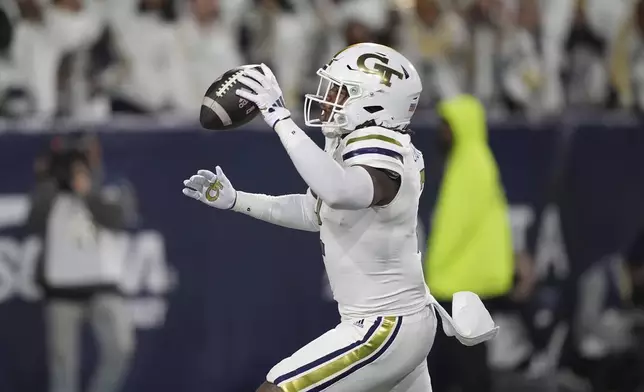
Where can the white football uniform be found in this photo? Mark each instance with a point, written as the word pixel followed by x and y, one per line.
pixel 375 272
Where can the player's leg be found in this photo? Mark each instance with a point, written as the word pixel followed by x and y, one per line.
pixel 363 355
pixel 416 381
pixel 336 361
pixel 421 335
pixel 372 354
pixel 403 362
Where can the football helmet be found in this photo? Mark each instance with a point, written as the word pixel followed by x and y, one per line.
pixel 365 83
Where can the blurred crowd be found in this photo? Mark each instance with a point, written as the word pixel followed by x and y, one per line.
pixel 94 58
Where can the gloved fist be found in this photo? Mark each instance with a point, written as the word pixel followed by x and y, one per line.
pixel 212 189
pixel 264 92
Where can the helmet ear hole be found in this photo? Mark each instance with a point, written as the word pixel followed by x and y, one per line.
pixel 373 109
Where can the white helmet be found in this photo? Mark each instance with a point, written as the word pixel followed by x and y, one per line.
pixel 380 85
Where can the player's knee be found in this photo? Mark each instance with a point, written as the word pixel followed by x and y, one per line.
pixel 269 387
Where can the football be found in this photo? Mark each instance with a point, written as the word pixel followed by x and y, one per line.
pixel 221 108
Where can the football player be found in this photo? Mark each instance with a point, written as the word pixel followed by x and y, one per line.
pixel 363 195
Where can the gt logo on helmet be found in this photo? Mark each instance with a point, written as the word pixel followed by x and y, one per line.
pixel 381 70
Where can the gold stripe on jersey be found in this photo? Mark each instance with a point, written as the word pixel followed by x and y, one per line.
pixel 374 137
pixel 341 364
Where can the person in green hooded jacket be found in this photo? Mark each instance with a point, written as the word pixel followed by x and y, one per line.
pixel 470 245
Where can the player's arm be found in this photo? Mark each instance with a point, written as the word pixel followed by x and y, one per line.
pixel 380 152
pixel 385 185
pixel 292 211
pixel 370 177
pixel 216 190
pixel 352 188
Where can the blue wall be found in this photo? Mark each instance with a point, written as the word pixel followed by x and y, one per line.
pixel 248 293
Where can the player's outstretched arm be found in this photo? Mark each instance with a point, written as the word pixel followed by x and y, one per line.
pixel 350 188
pixel 215 190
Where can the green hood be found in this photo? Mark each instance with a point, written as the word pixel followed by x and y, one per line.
pixel 466 117
pixel 470 247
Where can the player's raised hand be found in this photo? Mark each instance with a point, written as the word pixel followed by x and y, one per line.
pixel 213 189
pixel 264 92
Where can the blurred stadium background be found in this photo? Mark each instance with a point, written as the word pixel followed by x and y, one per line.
pixel 218 298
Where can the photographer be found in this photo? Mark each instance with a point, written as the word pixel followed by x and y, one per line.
pixel 80 272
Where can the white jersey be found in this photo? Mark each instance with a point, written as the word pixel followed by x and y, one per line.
pixel 372 255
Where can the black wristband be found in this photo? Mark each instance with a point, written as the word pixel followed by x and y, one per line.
pixel 281 119
pixel 234 202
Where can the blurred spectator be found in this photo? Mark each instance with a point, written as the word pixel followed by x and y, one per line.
pixel 435 40
pixel 6 31
pixel 577 36
pixel 149 71
pixel 6 71
pixel 603 329
pixel 556 16
pixel 356 32
pixel 346 22
pixel 81 269
pixel 627 59
pixel 534 56
pixel 259 29
pixel 293 52
pixel 47 41
pixel 330 28
pixel 586 74
pixel 114 188
pixel 485 19
pixel 521 71
pixel 512 348
pixel 280 34
pixel 96 64
pixel 207 47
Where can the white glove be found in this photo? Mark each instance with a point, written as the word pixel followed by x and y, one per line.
pixel 266 93
pixel 212 189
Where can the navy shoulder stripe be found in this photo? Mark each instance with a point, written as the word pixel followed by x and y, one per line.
pixel 373 150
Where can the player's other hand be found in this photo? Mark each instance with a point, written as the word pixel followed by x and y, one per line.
pixel 264 91
pixel 213 189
